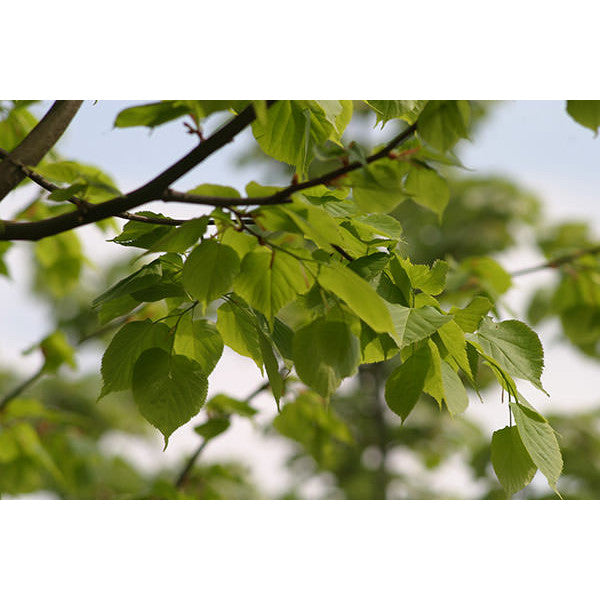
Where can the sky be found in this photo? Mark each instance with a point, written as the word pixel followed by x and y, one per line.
pixel 533 142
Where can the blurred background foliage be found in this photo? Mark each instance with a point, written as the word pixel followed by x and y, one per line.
pixel 55 437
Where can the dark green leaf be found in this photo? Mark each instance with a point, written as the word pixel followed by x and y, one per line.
pixel 168 389
pixel 357 294
pixel 269 280
pixel 404 386
pixel 210 270
pixel 540 441
pixel 324 353
pixel 515 347
pixel 198 340
pixel 124 350
pixel 511 461
pixel 586 113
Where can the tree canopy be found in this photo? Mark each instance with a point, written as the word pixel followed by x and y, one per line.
pixel 375 264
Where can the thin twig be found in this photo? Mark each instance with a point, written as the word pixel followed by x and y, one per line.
pixel 558 262
pixel 190 462
pixel 17 391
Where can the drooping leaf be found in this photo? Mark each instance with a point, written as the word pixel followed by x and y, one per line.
pixel 124 350
pixel 375 347
pixel 407 110
pixel 213 428
pixel 357 294
pixel 180 238
pixel 239 329
pixel 143 278
pixel 221 404
pixel 57 351
pixel 427 188
pixel 269 279
pixel 370 265
pixel 198 340
pixel 515 347
pixel 469 318
pixel 540 441
pixel 325 352
pixel 511 461
pixel 168 389
pixel 379 188
pixel 271 366
pixel 293 129
pixel 443 122
pixel 430 280
pixel 415 324
pixel 209 271
pixel 455 394
pixel 586 113
pixel 404 386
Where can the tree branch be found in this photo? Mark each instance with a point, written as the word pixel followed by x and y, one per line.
pixel 189 464
pixel 157 188
pixel 153 190
pixel 558 262
pixel 38 142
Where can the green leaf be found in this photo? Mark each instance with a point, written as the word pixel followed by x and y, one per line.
pixel 214 189
pixel 143 278
pixel 515 347
pixel 140 234
pixel 375 347
pixel 92 183
pixel 62 195
pixel 226 405
pixel 379 188
pixel 357 294
pixel 454 341
pixel 382 225
pixel 324 353
pixel 427 188
pixel 209 271
pixel 415 324
pixel 491 276
pixel 315 426
pixel 455 394
pixel 512 464
pixel 314 222
pixel 443 122
pixel 469 318
pixel 212 428
pixel 433 381
pixel 239 329
pixel 151 115
pixel 407 110
pixel 157 113
pixel 540 441
pixel 124 350
pixel 57 351
pixel 271 367
pixel 180 238
pixel 369 266
pixel 294 128
pixel 270 279
pixel 198 340
pixel 404 386
pixel 586 113
pixel 431 280
pixel 168 389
